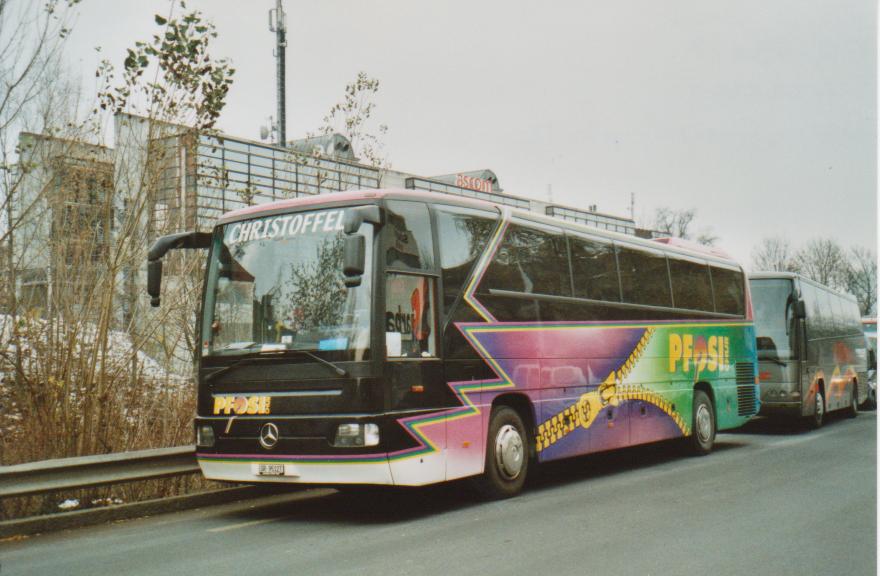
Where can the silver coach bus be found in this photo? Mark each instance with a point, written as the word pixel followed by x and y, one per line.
pixel 811 351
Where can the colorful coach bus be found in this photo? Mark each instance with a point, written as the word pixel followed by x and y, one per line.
pixel 407 338
pixel 811 350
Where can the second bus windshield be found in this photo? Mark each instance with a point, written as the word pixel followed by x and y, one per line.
pixel 771 299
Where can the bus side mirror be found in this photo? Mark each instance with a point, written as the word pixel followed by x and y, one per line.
pixel 356 216
pixel 800 309
pixel 181 240
pixel 154 281
pixel 354 252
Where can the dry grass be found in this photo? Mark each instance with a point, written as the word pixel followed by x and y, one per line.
pixel 65 392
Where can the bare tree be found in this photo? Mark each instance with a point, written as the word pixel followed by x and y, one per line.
pixel 34 97
pixel 824 261
pixel 32 35
pixel 680 224
pixel 861 278
pixel 76 346
pixel 84 384
pixel 352 117
pixel 773 254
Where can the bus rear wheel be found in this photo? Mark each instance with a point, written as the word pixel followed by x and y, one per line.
pixel 818 417
pixel 703 434
pixel 507 455
pixel 853 409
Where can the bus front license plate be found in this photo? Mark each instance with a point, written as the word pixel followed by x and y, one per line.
pixel 270 470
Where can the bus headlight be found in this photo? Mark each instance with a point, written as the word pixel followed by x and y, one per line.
pixel 348 435
pixel 205 436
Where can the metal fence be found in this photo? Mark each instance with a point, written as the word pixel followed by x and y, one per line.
pixel 87 471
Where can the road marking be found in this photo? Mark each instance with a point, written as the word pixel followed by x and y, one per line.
pixel 305 495
pixel 245 524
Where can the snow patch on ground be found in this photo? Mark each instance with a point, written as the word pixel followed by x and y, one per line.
pixel 69 504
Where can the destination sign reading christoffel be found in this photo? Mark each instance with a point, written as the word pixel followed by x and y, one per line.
pixel 285 226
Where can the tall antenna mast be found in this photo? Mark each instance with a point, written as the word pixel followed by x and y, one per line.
pixel 278 25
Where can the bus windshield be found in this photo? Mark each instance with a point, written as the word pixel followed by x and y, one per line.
pixel 275 283
pixel 771 299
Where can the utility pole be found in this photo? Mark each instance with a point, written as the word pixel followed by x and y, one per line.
pixel 278 25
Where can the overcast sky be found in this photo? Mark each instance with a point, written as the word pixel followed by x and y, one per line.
pixel 761 114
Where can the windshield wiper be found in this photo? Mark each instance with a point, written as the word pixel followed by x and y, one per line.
pixel 273 355
pixel 237 363
pixel 775 360
pixel 314 357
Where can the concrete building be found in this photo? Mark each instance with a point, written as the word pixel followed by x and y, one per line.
pixel 176 179
pixel 63 209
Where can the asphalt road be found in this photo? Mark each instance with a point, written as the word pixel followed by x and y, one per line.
pixel 770 500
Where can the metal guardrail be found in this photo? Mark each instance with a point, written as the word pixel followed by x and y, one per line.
pixel 87 471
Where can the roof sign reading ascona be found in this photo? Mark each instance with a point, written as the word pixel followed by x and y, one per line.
pixel 473 183
pixel 285 226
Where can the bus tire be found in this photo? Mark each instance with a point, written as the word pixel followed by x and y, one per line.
pixel 703 432
pixel 853 409
pixel 507 455
pixel 871 401
pixel 818 417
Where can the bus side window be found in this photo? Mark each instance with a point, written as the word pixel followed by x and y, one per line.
pixel 837 309
pixel 728 288
pixel 463 234
pixel 595 269
pixel 691 285
pixel 808 295
pixel 853 318
pixel 827 328
pixel 644 277
pixel 408 242
pixel 531 259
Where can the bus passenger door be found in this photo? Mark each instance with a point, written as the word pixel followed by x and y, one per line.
pixel 414 372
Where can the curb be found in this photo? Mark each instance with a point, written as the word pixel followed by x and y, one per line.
pixel 92 516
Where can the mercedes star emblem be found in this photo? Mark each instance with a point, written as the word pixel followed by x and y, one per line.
pixel 268 435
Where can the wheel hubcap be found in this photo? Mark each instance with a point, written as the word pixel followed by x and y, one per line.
pixel 509 454
pixel 704 423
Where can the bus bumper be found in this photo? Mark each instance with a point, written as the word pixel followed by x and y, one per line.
pixel 305 453
pixel 769 408
pixel 243 469
pixel 780 398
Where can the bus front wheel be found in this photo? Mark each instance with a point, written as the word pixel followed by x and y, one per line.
pixel 507 455
pixel 703 433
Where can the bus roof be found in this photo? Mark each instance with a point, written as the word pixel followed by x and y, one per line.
pixel 674 245
pixel 773 274
pixel 348 198
pixel 770 275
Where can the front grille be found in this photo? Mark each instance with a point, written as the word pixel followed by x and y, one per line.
pixel 745 388
pixel 745 373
